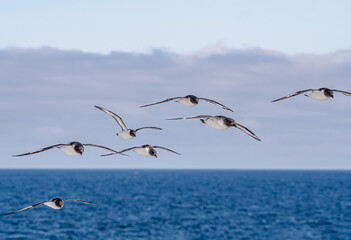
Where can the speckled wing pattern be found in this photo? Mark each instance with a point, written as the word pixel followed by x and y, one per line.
pixel 166 149
pixel 292 95
pixel 166 100
pixel 214 102
pixel 77 200
pixel 343 92
pixel 24 209
pixel 119 152
pixel 246 130
pixel 200 116
pixel 41 150
pixel 157 128
pixel 115 116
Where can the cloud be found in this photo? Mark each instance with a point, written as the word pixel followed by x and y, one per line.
pixel 47 96
pixel 252 57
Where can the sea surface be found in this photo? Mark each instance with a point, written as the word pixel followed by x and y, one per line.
pixel 177 204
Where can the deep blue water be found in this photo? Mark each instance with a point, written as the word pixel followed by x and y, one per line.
pixel 167 204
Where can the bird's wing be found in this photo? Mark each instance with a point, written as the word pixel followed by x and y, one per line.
pixel 115 116
pixel 200 116
pixel 166 149
pixel 24 209
pixel 77 200
pixel 40 150
pixel 292 95
pixel 247 131
pixel 167 100
pixel 99 146
pixel 148 127
pixel 214 102
pixel 119 152
pixel 343 92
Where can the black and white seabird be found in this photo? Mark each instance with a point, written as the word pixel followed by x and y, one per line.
pixel 125 133
pixel 145 150
pixel 56 203
pixel 190 101
pixel 320 94
pixel 71 149
pixel 220 123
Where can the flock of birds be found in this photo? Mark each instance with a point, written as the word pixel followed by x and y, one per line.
pixel 216 122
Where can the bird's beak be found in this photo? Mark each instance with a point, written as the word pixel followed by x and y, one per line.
pixel 332 96
pixel 155 156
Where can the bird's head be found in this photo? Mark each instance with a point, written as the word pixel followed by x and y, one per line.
pixel 193 99
pixel 78 147
pixel 153 152
pixel 229 121
pixel 327 92
pixel 58 202
pixel 132 133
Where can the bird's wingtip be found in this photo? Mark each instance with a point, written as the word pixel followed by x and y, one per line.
pixel 225 108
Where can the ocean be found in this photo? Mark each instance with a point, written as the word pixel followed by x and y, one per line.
pixel 177 204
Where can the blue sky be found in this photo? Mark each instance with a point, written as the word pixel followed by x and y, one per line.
pixel 58 60
pixel 181 26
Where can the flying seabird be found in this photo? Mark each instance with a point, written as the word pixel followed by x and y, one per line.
pixel 190 101
pixel 71 149
pixel 220 123
pixel 55 203
pixel 125 133
pixel 145 150
pixel 317 94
